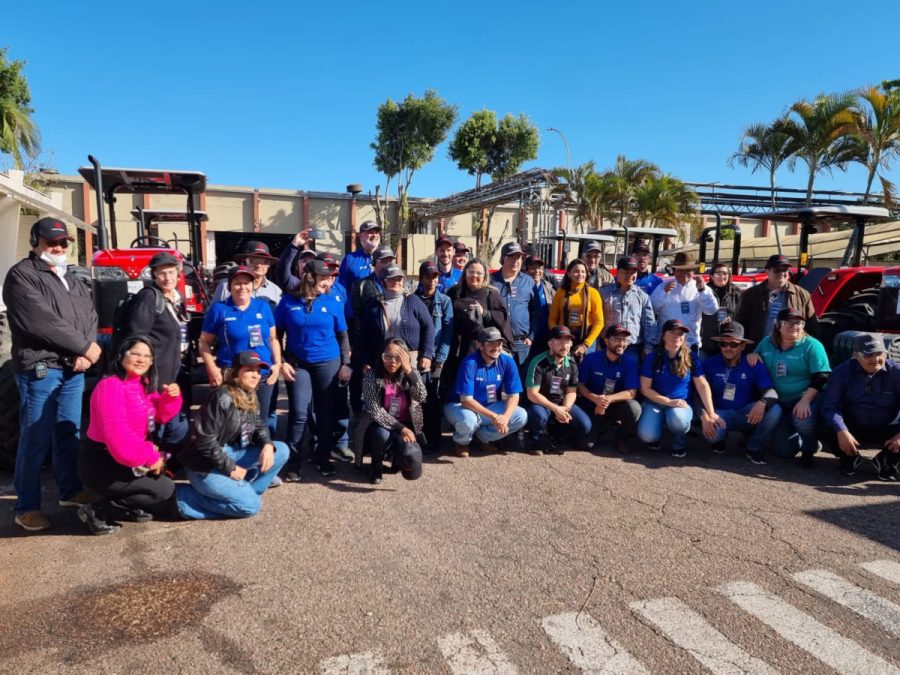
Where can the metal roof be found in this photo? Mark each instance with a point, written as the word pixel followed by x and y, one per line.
pixel 146 181
pixel 169 215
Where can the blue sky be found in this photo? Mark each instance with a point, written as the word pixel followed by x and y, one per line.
pixel 284 94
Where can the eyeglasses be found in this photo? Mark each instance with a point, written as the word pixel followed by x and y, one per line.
pixel 795 324
pixel 390 358
pixel 730 345
pixel 140 357
pixel 720 274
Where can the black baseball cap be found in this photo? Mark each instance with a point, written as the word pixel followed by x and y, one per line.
pixel 533 260
pixel 490 334
pixel 559 332
pixel 369 225
pixel 790 314
pixel 675 324
pixel 327 258
pixel 52 229
pixel 778 261
pixel 459 247
pixel 162 259
pixel 868 344
pixel 640 247
pixel 249 358
pixel 257 249
pixel 626 262
pixel 307 252
pixel 239 270
pixel 383 253
pixel 591 246
pixel 428 268
pixel 318 267
pixel 443 239
pixel 616 329
pixel 511 248
pixel 731 330
pixel 393 271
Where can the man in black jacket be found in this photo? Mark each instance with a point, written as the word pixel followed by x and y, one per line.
pixel 53 324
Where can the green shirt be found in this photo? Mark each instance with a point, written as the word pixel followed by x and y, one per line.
pixel 792 369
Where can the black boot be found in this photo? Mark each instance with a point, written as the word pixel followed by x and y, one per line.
pixel 94 516
pixel 118 512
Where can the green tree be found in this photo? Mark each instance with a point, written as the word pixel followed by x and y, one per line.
pixel 628 175
pixel 594 193
pixel 19 136
pixel 764 147
pixel 517 142
pixel 664 200
pixel 408 135
pixel 822 131
pixel 877 126
pixel 471 145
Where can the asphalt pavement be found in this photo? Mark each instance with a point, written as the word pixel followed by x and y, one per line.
pixel 589 562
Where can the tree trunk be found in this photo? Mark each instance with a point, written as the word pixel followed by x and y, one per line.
pixel 809 184
pixel 774 208
pixel 869 183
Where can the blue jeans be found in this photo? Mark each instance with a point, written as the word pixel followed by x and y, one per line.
pixel 792 435
pixel 676 420
pixel 466 423
pixel 736 420
pixel 49 417
pixel 540 418
pixel 216 495
pixel 315 385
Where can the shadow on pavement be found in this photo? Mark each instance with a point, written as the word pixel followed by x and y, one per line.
pixel 878 522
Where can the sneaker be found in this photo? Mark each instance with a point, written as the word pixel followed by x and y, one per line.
pixel 622 446
pixel 79 499
pixel 292 476
pixel 718 448
pixel 276 482
pixel 342 455
pixel 806 460
pixel 461 450
pixel 884 470
pixel 848 464
pixel 32 521
pixel 129 515
pixel 326 469
pixel 756 456
pixel 679 453
pixel 537 445
pixel 654 446
pixel 95 523
pixel 489 448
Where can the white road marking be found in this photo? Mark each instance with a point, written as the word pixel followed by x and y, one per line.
pixel 474 653
pixel 364 663
pixel 886 569
pixel 830 647
pixel 861 601
pixel 691 632
pixel 588 646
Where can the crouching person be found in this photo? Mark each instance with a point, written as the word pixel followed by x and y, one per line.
pixel 119 458
pixel 743 395
pixel 862 404
pixel 476 406
pixel 552 387
pixel 391 423
pixel 230 460
pixel 608 383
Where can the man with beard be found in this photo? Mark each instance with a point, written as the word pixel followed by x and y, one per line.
pixel 646 280
pixel 448 273
pixel 358 264
pixel 625 303
pixel 517 291
pixel 598 275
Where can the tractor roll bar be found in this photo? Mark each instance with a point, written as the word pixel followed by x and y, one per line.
pixel 102 232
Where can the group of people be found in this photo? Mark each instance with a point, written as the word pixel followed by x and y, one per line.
pixel 624 350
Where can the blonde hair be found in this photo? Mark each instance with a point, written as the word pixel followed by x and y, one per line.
pixel 243 400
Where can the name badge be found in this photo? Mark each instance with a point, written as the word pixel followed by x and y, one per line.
pixel 256 336
pixel 393 405
pixel 685 308
pixel 491 390
pixel 246 431
pixel 728 394
pixel 574 317
pixel 183 334
pixel 780 369
pixel 512 291
pixel 556 384
pixel 721 314
pixel 609 386
pixel 151 423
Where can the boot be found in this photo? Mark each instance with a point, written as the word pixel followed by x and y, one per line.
pixel 94 516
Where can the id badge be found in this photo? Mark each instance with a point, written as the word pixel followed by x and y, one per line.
pixel 151 423
pixel 685 307
pixel 574 317
pixel 512 291
pixel 393 406
pixel 721 315
pixel 183 334
pixel 609 387
pixel 556 385
pixel 246 430
pixel 728 394
pixel 40 370
pixel 256 336
pixel 780 369
pixel 491 390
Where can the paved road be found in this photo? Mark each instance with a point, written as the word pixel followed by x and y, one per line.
pixel 493 564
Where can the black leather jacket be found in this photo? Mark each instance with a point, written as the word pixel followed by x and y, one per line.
pixel 221 423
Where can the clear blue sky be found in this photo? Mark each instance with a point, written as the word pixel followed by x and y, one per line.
pixel 284 94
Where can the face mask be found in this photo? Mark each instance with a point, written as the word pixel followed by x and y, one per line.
pixel 55 260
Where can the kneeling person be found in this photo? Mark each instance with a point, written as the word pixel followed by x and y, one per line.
pixel 475 408
pixel 743 395
pixel 608 383
pixel 552 386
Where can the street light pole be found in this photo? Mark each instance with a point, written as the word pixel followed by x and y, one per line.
pixel 566 143
pixel 565 243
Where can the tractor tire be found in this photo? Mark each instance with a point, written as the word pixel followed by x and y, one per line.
pixel 9 400
pixel 832 323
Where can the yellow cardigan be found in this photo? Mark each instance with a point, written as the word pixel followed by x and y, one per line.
pixel 566 308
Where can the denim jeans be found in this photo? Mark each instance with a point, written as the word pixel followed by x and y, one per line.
pixel 49 417
pixel 466 423
pixel 676 420
pixel 736 420
pixel 792 435
pixel 314 386
pixel 216 495
pixel 576 431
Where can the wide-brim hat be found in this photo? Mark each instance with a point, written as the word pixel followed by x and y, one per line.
pixel 684 261
pixel 731 330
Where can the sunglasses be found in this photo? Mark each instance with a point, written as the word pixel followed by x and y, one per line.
pixel 730 345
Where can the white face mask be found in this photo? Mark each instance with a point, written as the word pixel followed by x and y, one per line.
pixel 60 260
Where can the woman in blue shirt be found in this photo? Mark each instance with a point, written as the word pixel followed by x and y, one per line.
pixel 241 323
pixel 317 362
pixel 666 376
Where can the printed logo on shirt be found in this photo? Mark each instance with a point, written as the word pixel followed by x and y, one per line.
pixel 258 315
pixel 324 310
pixel 231 318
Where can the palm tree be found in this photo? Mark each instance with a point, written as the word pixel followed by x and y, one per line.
pixel 665 200
pixel 762 147
pixel 628 175
pixel 19 136
pixel 822 131
pixel 877 127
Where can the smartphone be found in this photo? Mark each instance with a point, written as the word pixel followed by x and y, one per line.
pixel 316 234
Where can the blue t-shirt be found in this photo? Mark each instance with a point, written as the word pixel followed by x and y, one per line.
pixel 237 330
pixel 791 370
pixel 602 376
pixel 665 381
pixel 448 279
pixel 311 335
pixel 648 282
pixel 486 383
pixel 734 388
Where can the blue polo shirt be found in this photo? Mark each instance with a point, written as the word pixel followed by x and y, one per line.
pixel 602 376
pixel 744 384
pixel 448 279
pixel 237 330
pixel 484 383
pixel 665 381
pixel 311 335
pixel 354 266
pixel 648 282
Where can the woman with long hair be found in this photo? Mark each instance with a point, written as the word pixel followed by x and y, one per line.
pixel 579 307
pixel 119 458
pixel 317 363
pixel 666 376
pixel 392 424
pixel 231 459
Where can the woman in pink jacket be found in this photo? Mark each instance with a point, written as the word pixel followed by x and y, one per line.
pixel 118 459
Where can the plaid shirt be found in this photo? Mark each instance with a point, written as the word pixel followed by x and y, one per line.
pixel 633 309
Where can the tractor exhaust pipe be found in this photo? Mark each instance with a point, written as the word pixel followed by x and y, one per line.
pixel 102 233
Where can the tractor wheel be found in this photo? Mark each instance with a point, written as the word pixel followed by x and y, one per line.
pixel 9 400
pixel 833 323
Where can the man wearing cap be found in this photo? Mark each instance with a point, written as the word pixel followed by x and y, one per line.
pixel 729 297
pixel 358 264
pixel 543 297
pixel 598 275
pixel 743 395
pixel 760 304
pixel 460 255
pixel 517 291
pixel 53 325
pixel 441 309
pixel 685 297
pixel 647 281
pixel 551 386
pixel 625 303
pixel 861 404
pixel 476 406
pixel 608 383
pixel 448 273
pixel 256 257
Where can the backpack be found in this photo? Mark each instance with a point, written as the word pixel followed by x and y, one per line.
pixel 124 310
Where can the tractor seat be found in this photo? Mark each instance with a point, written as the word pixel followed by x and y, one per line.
pixel 811 279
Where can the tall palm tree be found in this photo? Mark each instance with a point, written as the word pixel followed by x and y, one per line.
pixel 665 200
pixel 877 126
pixel 19 136
pixel 628 175
pixel 822 130
pixel 763 147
